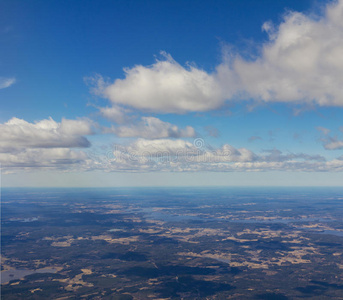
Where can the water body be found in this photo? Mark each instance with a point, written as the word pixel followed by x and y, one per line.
pixel 333 232
pixel 169 217
pixel 7 276
pixel 166 216
pixel 283 221
pixel 172 217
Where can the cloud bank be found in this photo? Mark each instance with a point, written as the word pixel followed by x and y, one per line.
pixel 166 155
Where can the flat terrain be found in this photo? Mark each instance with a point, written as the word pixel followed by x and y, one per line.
pixel 172 243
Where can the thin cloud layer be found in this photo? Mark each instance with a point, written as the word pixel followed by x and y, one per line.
pixel 151 128
pixel 330 142
pixel 116 114
pixel 301 62
pixel 167 155
pixel 6 82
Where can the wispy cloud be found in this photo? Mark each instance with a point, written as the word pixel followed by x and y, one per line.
pixel 151 128
pixel 330 142
pixel 254 138
pixel 334 144
pixel 6 82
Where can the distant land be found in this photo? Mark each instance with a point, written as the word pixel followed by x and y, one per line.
pixel 172 243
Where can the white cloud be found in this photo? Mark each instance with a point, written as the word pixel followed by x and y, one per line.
pixel 254 138
pixel 151 128
pixel 301 62
pixel 18 133
pixel 6 82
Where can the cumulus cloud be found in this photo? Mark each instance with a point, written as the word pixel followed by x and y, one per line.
pixel 6 82
pixel 18 133
pixel 151 128
pixel 301 62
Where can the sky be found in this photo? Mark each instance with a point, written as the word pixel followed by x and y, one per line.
pixel 171 93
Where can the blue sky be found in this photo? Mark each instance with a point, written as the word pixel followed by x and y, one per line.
pixel 111 93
